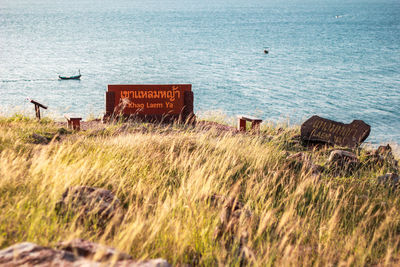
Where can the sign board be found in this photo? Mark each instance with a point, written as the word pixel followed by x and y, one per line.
pixel 150 100
pixel 318 129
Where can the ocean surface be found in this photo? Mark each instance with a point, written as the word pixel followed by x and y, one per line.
pixel 336 59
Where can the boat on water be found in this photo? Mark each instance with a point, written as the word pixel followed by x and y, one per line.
pixel 73 77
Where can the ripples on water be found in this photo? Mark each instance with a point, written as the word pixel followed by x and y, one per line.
pixel 337 59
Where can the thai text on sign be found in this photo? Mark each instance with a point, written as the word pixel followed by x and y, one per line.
pixel 328 131
pixel 150 99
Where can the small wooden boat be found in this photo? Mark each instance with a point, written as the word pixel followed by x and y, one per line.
pixel 74 77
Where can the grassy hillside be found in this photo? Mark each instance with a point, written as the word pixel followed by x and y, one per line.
pixel 199 196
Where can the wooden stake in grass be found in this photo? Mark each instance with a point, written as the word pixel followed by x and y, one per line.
pixel 37 107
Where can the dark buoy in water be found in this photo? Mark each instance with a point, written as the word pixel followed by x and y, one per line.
pixel 265 51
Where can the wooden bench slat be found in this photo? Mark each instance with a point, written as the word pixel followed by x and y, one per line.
pixel 249 118
pixel 72 117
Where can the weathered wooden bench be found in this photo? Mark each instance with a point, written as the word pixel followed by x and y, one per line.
pixel 255 123
pixel 74 122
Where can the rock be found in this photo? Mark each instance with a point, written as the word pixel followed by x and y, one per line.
pixel 30 254
pixel 341 160
pixel 342 157
pixel 317 129
pixel 87 249
pixel 150 263
pixel 38 139
pixel 383 150
pixel 389 179
pixel 87 202
pixel 384 154
pixel 63 131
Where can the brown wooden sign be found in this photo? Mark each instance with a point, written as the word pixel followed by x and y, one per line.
pixel 317 129
pixel 165 101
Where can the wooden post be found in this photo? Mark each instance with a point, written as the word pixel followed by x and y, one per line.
pixel 187 114
pixel 242 125
pixel 76 125
pixel 37 111
pixel 37 107
pixel 110 103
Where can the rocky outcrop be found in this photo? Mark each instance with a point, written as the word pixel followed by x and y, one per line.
pixel 389 179
pixel 342 157
pixel 39 139
pixel 30 254
pixel 382 156
pixel 383 150
pixel 87 249
pixel 87 202
pixel 342 162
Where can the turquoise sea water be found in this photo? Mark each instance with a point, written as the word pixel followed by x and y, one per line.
pixel 336 59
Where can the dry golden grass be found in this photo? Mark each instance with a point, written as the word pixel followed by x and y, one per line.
pixel 166 177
